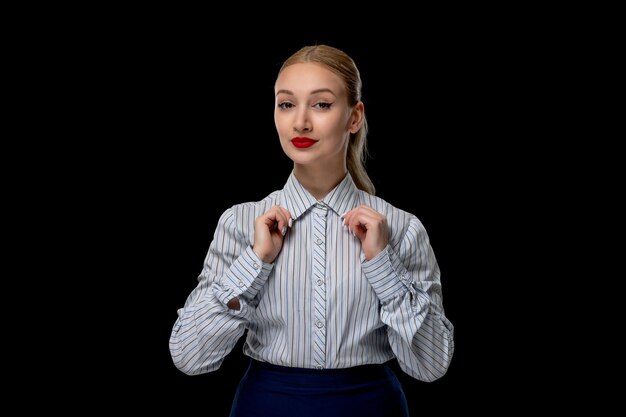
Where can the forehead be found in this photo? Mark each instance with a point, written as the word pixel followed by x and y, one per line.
pixel 306 77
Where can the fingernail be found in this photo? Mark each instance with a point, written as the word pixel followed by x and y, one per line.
pixel 290 222
pixel 284 230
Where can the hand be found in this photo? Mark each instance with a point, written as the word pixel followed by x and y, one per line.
pixel 370 227
pixel 269 231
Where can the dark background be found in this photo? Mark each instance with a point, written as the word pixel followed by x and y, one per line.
pixel 126 123
pixel 184 129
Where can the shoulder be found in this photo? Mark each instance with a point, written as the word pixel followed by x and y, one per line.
pixel 400 221
pixel 253 207
pixel 242 215
pixel 385 207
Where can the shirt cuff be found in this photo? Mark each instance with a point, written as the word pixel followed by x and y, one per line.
pixel 245 277
pixel 386 275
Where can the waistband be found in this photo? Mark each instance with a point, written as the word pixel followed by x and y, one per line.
pixel 370 370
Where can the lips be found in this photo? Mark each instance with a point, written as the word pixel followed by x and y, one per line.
pixel 302 142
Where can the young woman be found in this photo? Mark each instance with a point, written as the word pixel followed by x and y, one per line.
pixel 330 281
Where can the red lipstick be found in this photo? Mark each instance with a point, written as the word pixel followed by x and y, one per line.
pixel 302 142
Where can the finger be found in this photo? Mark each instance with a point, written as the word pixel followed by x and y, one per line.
pixel 355 221
pixel 362 219
pixel 272 219
pixel 360 209
pixel 287 216
pixel 348 219
pixel 345 217
pixel 281 219
pixel 363 208
pixel 349 215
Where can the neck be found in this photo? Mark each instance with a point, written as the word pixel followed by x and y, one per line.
pixel 319 181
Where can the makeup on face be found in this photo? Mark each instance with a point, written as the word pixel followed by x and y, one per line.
pixel 302 142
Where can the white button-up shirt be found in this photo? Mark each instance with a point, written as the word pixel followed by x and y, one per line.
pixel 320 304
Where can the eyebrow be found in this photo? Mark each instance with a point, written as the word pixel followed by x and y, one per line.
pixel 319 90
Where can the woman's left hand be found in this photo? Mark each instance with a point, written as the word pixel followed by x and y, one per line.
pixel 370 227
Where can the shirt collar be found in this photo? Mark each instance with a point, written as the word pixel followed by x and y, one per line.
pixel 298 200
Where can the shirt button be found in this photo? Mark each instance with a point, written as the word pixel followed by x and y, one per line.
pixel 318 241
pixel 319 367
pixel 241 283
pixel 255 265
pixel 320 282
pixel 319 324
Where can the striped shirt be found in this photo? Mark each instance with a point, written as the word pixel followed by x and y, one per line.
pixel 320 304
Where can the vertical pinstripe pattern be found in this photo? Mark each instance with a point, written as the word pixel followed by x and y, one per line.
pixel 319 283
pixel 320 303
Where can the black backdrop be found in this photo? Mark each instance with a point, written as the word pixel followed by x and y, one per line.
pixel 181 108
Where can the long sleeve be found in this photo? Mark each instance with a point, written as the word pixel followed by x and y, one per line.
pixel 319 304
pixel 206 330
pixel 406 279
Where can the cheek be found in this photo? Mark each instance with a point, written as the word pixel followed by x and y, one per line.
pixel 340 124
pixel 279 121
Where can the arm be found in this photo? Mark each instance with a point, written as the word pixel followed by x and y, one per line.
pixel 206 330
pixel 407 281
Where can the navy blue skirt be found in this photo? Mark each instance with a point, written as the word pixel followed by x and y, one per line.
pixel 268 390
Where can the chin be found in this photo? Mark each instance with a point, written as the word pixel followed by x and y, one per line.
pixel 300 159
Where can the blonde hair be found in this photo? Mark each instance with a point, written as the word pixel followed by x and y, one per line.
pixel 341 64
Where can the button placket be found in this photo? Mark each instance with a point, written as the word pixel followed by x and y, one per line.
pixel 319 214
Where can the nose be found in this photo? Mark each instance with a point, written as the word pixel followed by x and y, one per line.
pixel 302 123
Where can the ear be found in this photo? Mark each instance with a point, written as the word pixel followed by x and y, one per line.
pixel 358 115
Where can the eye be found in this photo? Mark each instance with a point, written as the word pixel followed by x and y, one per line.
pixel 323 105
pixel 285 105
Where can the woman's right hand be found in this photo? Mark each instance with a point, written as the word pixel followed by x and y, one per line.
pixel 269 232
